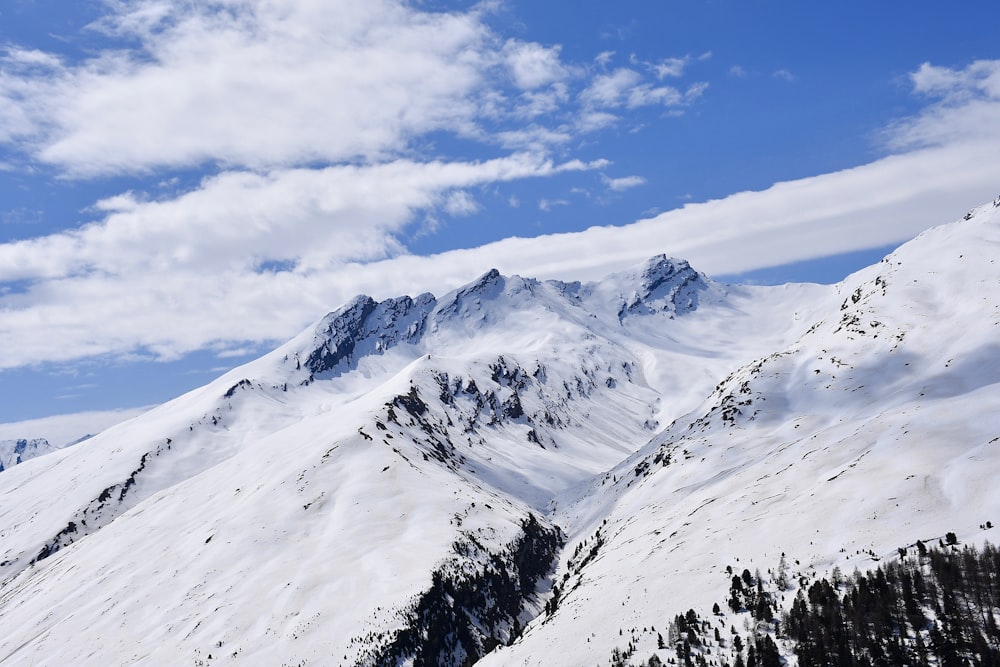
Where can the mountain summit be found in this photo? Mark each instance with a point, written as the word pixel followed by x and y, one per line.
pixel 13 452
pixel 522 472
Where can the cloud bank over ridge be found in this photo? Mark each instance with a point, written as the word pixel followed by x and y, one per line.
pixel 315 128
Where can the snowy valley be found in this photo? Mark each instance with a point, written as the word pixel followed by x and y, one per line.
pixel 524 472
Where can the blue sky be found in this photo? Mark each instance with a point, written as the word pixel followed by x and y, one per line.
pixel 184 185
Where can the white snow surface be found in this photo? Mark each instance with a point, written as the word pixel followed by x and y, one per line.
pixel 290 512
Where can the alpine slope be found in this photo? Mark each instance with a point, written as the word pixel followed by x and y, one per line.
pixel 519 472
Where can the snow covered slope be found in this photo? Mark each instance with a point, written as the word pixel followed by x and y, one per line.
pixel 877 427
pixel 404 482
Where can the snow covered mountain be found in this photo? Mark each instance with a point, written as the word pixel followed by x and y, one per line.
pixel 876 428
pixel 20 441
pixel 519 472
pixel 13 452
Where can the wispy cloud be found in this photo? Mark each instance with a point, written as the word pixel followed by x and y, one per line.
pixel 235 220
pixel 21 216
pixel 626 87
pixel 163 312
pixel 965 107
pixel 611 90
pixel 623 183
pixel 674 67
pixel 604 58
pixel 19 58
pixel 548 204
pixel 671 67
pixel 308 119
pixel 980 78
pixel 137 278
pixel 460 203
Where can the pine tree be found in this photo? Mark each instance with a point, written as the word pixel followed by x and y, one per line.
pixel 767 652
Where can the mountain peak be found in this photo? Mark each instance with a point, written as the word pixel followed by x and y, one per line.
pixel 364 326
pixel 469 298
pixel 487 278
pixel 13 452
pixel 661 267
pixel 666 284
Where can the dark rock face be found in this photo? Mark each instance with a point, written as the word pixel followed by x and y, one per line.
pixel 666 285
pixel 365 327
pixel 474 603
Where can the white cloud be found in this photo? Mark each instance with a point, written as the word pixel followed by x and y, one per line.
pixel 305 116
pixel 270 89
pixel 738 71
pixel 144 276
pixel 624 183
pixel 20 58
pixel 460 203
pixel 783 75
pixel 535 137
pixel 966 107
pixel 887 201
pixel 579 165
pixel 533 65
pixel 627 87
pixel 609 90
pixel 533 103
pixel 592 121
pixel 603 59
pixel 283 84
pixel 671 67
pixel 259 85
pixel 163 312
pixel 547 204
pixel 236 220
pixel 695 90
pixel 645 95
pixel 980 78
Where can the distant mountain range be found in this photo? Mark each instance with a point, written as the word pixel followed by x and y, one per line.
pixel 17 451
pixel 523 472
